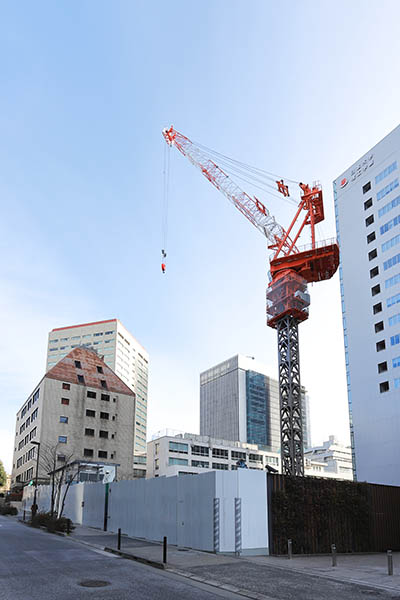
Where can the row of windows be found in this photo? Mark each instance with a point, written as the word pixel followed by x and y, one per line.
pixel 390 224
pixel 387 189
pixel 27 438
pixel 391 262
pixel 390 243
pixel 216 452
pixel 63 439
pixel 392 281
pixel 386 172
pixel 78 337
pixel 30 403
pixel 389 206
pixel 88 452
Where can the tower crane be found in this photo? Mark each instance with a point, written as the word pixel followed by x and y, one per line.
pixel 291 269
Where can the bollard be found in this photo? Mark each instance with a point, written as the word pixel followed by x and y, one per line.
pixel 23 518
pixel 334 556
pixel 68 526
pixel 390 562
pixel 119 539
pixel 164 550
pixel 289 548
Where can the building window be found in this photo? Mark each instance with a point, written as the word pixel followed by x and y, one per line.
pixel 396 362
pixel 61 457
pixel 220 453
pixel 387 189
pixel 104 415
pixel 106 397
pixel 368 204
pixel 91 394
pixel 371 237
pixel 103 383
pixel 97 334
pixel 380 345
pixel 373 254
pixel 220 466
pixel 177 461
pixel 369 220
pixel 62 439
pixel 379 327
pixel 63 419
pixel 235 455
pixel 103 454
pixel 374 272
pixel 87 452
pixel 78 364
pixel 65 401
pixel 200 450
pixel 392 281
pixel 103 434
pixel 389 206
pixel 397 382
pixel 376 290
pixel 382 367
pixel 255 458
pixel 178 447
pixel 377 308
pixel 393 300
pixel 100 369
pixel 395 339
pixel 90 413
pixel 394 260
pixel 384 386
pixel 366 187
pixel 66 386
pixel 386 172
pixel 392 321
pixel 200 463
pixel 81 379
pixel 89 432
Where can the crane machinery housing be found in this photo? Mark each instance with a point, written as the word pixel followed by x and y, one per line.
pixel 291 269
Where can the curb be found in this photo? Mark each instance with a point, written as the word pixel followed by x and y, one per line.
pixel 146 561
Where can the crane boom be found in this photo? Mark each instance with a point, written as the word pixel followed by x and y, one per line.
pixel 252 208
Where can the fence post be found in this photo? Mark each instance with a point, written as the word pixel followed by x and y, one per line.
pixel 289 549
pixel 238 526
pixel 334 555
pixel 390 562
pixel 119 539
pixel 216 525
pixel 164 550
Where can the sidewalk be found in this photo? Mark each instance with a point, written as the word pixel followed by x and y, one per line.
pixel 256 576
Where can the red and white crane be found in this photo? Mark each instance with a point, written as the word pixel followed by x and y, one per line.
pixel 291 269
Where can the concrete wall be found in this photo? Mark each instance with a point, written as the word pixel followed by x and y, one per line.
pixel 181 508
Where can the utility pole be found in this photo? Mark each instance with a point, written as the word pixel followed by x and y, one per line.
pixel 34 509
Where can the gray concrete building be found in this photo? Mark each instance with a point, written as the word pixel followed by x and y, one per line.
pixel 239 401
pixel 80 410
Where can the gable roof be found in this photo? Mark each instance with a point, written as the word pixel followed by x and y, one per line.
pixel 65 370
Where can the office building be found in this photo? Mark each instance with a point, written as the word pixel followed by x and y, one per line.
pixel 80 411
pixel 367 209
pixel 121 352
pixel 189 454
pixel 332 459
pixel 240 401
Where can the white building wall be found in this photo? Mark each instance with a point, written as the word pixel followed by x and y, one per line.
pixel 374 412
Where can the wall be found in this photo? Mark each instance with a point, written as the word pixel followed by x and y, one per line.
pixel 181 508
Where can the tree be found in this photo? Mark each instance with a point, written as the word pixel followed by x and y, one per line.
pixel 3 475
pixel 48 465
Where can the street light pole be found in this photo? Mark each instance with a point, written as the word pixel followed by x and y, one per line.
pixel 36 479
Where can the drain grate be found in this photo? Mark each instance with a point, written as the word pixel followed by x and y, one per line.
pixel 93 583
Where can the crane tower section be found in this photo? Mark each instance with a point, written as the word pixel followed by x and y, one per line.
pixel 291 269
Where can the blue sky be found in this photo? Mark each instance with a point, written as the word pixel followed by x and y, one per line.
pixel 300 88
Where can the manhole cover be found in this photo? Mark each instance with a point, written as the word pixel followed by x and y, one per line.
pixel 94 583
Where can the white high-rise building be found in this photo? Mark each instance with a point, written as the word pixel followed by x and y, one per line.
pixel 367 209
pixel 239 401
pixel 122 353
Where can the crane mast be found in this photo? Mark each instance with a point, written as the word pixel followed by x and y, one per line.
pixel 291 268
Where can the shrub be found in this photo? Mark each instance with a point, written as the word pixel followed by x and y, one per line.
pixel 7 509
pixel 52 523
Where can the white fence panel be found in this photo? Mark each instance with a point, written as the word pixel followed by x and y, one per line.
pixel 93 507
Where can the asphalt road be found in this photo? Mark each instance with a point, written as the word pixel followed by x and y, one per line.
pixel 36 565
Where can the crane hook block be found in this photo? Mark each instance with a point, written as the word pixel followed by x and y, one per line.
pixel 163 267
pixel 282 188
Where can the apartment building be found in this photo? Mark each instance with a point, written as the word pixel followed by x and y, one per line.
pixel 121 352
pixel 331 459
pixel 80 411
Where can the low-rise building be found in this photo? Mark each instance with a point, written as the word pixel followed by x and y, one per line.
pixel 80 411
pixel 332 459
pixel 187 453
